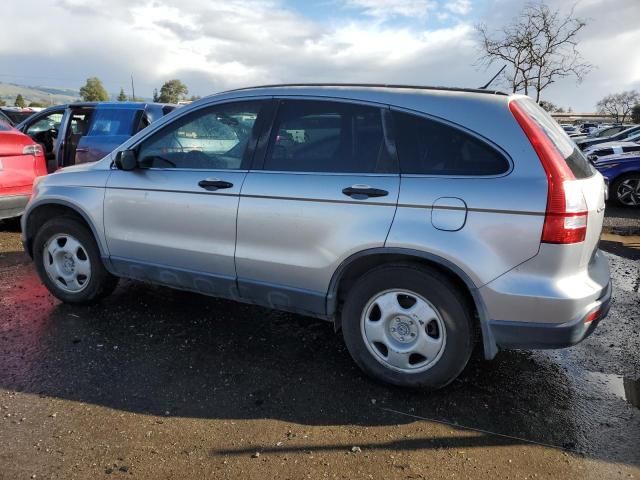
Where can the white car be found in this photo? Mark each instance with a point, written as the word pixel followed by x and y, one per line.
pixel 570 129
pixel 612 148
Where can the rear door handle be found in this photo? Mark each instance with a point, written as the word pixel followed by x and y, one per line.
pixel 360 192
pixel 214 184
pixel 82 149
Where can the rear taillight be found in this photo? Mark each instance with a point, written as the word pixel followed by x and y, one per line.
pixel 566 214
pixel 34 149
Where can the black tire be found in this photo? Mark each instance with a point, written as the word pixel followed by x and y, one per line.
pixel 100 284
pixel 447 300
pixel 613 192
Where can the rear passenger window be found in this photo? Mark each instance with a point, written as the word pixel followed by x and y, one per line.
pixel 312 136
pixel 433 148
pixel 112 122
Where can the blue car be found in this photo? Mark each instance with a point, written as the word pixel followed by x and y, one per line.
pixel 622 173
pixel 87 131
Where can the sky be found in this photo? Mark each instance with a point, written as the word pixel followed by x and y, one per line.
pixel 213 45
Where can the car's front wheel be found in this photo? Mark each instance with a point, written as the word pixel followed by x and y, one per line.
pixel 626 190
pixel 408 326
pixel 68 262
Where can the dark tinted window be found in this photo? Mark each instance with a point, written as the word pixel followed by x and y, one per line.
pixel 211 138
pixel 433 148
pixel 311 136
pixel 627 133
pixel 604 151
pixel 16 116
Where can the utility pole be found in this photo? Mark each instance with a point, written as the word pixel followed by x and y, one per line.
pixel 133 90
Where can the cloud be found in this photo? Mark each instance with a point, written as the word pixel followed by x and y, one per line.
pixel 384 9
pixel 459 7
pixel 213 45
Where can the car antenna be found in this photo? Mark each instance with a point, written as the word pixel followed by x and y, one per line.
pixel 493 78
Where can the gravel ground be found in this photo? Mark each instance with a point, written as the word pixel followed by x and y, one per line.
pixel 622 220
pixel 154 383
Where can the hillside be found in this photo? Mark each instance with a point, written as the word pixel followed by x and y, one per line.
pixel 53 96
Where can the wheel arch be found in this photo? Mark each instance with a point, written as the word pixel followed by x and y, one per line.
pixel 39 214
pixel 359 263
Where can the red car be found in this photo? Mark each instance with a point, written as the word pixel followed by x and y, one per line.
pixel 21 161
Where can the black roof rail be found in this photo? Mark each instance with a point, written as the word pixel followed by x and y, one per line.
pixel 372 85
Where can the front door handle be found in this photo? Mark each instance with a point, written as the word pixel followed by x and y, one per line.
pixel 361 192
pixel 214 184
pixel 82 150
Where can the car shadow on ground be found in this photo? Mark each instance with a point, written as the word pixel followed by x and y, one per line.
pixel 157 351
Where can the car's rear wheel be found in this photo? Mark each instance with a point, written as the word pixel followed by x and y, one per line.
pixel 626 190
pixel 68 262
pixel 408 326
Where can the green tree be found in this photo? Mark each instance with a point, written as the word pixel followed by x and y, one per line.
pixel 172 91
pixel 37 104
pixel 94 91
pixel 2 103
pixel 122 97
pixel 156 97
pixel 20 101
pixel 635 113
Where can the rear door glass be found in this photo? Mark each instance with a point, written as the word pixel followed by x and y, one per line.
pixel 110 122
pixel 576 161
pixel 325 136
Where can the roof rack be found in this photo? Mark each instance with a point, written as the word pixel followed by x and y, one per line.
pixel 372 85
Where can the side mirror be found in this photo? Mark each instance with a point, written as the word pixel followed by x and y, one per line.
pixel 126 160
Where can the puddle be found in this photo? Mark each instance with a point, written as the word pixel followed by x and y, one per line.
pixel 632 391
pixel 625 388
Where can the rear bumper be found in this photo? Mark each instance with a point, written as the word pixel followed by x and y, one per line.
pixel 509 334
pixel 12 205
pixel 545 302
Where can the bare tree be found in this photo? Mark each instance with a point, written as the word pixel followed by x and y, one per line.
pixel 619 105
pixel 510 46
pixel 539 46
pixel 551 107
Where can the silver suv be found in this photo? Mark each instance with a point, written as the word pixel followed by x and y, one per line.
pixel 417 220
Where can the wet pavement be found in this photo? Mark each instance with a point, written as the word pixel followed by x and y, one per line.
pixel 155 383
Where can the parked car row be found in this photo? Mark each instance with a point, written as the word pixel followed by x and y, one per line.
pixel 14 115
pixel 622 172
pixel 86 132
pixel 21 162
pixel 617 157
pixel 62 136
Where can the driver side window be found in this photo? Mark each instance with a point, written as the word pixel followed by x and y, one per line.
pixel 208 139
pixel 50 122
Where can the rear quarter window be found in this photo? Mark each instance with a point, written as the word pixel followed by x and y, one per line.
pixel 430 147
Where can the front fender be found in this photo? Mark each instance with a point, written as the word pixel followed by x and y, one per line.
pixel 87 202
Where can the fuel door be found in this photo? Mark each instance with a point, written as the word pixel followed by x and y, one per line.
pixel 449 214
